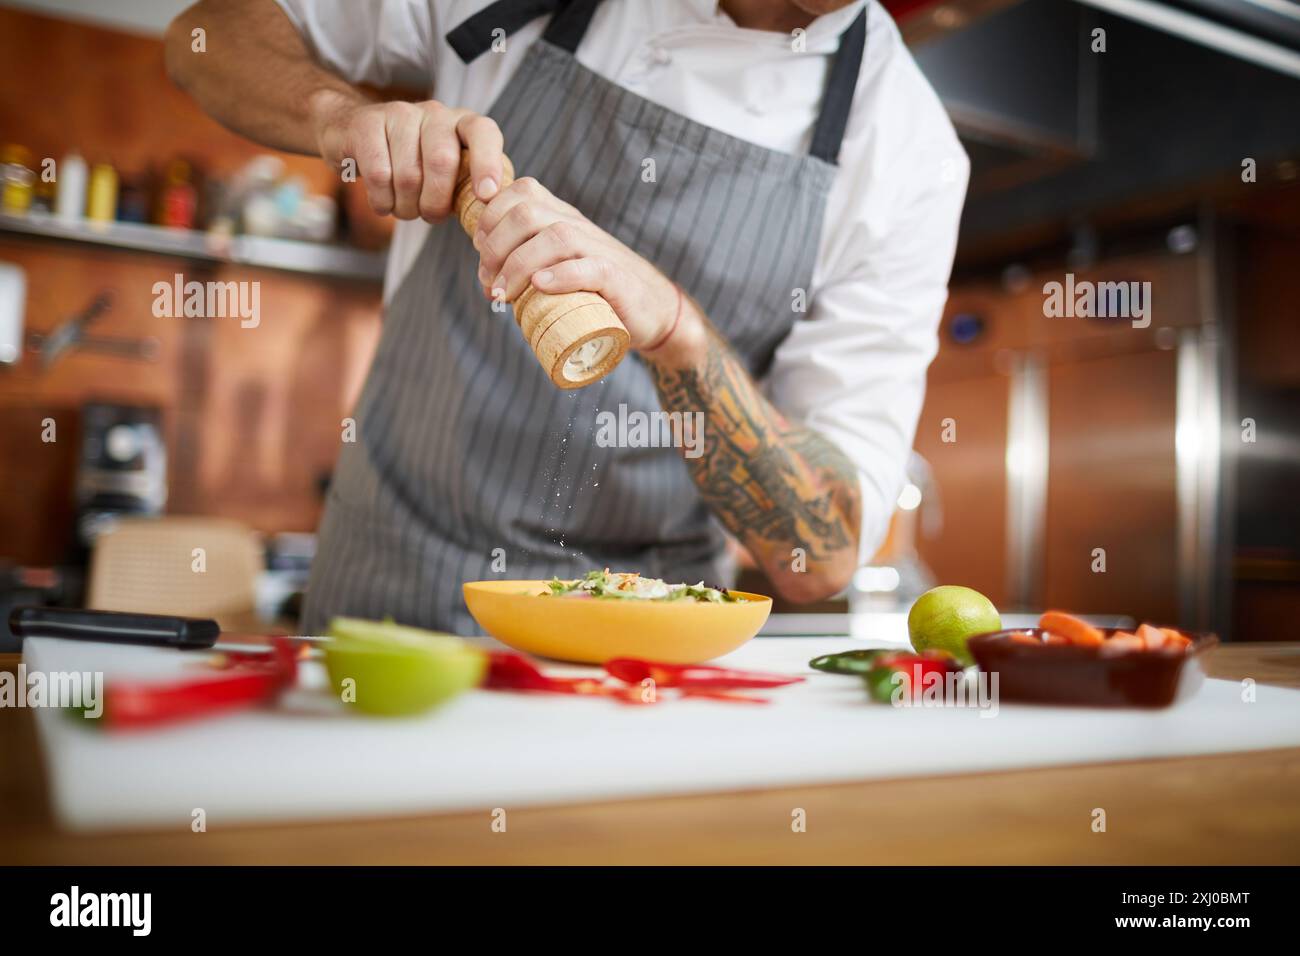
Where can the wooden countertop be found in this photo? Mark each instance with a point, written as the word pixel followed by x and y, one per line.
pixel 1230 809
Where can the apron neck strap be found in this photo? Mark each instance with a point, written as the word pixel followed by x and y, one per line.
pixel 566 29
pixel 837 101
pixel 569 26
pixel 475 35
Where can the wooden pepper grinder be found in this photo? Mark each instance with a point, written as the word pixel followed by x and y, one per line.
pixel 576 336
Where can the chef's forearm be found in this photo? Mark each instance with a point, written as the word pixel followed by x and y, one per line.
pixel 253 72
pixel 788 494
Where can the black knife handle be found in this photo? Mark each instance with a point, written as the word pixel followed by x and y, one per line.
pixel 113 627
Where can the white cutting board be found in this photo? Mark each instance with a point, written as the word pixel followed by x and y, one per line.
pixel 314 758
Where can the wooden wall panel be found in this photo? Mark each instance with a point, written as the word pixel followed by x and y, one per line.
pixel 36 512
pixel 971 477
pixel 251 415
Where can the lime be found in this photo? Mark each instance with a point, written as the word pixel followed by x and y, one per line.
pixel 386 668
pixel 943 618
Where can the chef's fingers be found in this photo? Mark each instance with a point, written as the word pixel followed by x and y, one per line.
pixel 551 246
pixel 526 190
pixel 368 142
pixel 402 125
pixel 628 295
pixel 583 274
pixel 518 221
pixel 482 137
pixel 439 161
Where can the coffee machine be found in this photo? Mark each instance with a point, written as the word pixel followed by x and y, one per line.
pixel 122 468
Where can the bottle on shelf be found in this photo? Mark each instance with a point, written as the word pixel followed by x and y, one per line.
pixel 43 196
pixel 16 179
pixel 70 177
pixel 178 201
pixel 101 206
pixel 135 197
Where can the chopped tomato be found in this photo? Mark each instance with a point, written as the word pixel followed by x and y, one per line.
pixel 1122 643
pixel 1175 639
pixel 1075 630
pixel 1152 637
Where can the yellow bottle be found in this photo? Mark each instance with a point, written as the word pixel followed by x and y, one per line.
pixel 101 205
pixel 16 179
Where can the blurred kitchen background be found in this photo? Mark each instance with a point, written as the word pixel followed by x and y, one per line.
pixel 1080 463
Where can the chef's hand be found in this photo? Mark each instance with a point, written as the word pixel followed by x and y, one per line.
pixel 407 154
pixel 526 236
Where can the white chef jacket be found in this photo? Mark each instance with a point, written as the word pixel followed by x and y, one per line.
pixel 854 370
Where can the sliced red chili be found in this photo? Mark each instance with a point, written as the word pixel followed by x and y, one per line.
pixel 248 681
pixel 509 671
pixel 723 695
pixel 634 671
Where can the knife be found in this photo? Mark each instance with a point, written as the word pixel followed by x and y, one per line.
pixel 113 627
pixel 157 630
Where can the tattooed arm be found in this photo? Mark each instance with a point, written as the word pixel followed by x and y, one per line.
pixel 776 486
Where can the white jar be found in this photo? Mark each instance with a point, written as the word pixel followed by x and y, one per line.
pixel 71 177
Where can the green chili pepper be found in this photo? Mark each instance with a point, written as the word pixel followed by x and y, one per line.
pixel 857 661
pixel 880 684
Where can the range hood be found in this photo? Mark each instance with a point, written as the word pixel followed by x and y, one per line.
pixel 1264 32
pixel 1071 104
pixel 1017 81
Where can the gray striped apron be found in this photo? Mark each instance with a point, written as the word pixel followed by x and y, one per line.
pixel 468 463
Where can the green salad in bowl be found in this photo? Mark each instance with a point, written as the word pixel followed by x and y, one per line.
pixel 618 585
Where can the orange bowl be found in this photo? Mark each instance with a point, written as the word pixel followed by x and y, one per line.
pixel 594 630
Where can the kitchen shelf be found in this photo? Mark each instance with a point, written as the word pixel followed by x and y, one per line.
pixel 286 254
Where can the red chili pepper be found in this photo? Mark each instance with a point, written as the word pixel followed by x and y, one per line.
pixel 634 671
pixel 723 695
pixel 249 681
pixel 920 664
pixel 508 671
pixel 916 667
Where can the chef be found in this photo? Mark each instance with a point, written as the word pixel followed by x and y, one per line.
pixel 766 192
